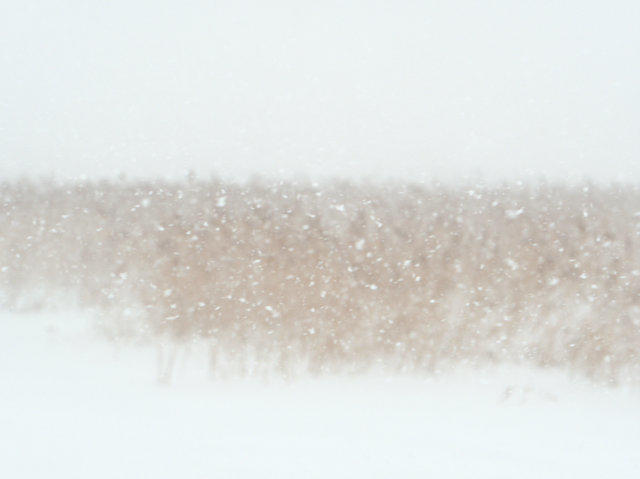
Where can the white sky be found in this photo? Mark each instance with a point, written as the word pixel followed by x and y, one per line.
pixel 410 89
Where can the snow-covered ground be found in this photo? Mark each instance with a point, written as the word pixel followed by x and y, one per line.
pixel 74 406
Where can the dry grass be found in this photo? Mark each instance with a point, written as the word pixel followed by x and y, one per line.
pixel 340 276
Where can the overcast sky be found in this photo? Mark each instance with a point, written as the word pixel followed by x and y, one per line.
pixel 497 89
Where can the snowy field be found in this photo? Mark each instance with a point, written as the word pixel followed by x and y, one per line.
pixel 424 215
pixel 74 406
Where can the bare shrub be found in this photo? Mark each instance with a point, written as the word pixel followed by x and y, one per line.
pixel 340 277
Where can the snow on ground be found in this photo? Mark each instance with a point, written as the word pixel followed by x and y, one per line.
pixel 74 406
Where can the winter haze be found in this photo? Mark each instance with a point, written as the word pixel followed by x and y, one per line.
pixel 383 89
pixel 319 239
